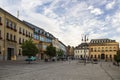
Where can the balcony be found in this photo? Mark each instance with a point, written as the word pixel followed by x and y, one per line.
pixel 0 23
pixel 7 26
pixel 27 35
pixel 7 39
pixel 15 30
pixel 0 38
pixel 11 28
pixel 20 32
pixel 20 43
pixel 23 33
pixel 15 41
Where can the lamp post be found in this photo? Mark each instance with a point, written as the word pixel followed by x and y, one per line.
pixel 85 39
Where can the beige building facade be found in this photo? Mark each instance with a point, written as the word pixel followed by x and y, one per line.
pixel 82 51
pixel 103 49
pixel 13 32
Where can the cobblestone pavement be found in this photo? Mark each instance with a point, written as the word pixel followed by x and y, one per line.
pixel 58 71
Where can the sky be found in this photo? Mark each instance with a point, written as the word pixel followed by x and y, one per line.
pixel 70 20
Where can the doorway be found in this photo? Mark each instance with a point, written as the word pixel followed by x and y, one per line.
pixel 10 53
pixel 102 56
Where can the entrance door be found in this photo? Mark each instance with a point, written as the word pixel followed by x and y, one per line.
pixel 10 52
pixel 102 56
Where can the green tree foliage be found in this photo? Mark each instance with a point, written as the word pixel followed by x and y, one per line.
pixel 29 48
pixel 50 51
pixel 117 57
pixel 60 53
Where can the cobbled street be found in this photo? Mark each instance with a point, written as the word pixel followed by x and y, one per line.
pixel 20 70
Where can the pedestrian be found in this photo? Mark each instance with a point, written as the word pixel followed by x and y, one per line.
pixel 69 60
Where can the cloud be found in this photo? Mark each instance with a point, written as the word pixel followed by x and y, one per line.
pixel 110 5
pixel 68 20
pixel 95 11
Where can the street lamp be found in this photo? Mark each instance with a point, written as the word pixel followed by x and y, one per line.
pixel 85 39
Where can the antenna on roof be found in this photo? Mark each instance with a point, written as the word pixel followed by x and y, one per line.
pixel 18 14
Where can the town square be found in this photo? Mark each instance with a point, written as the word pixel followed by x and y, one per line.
pixel 59 40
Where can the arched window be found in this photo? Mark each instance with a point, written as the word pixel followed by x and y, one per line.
pixel 110 56
pixel 91 56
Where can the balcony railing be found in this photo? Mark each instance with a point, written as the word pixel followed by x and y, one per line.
pixel 0 37
pixel 0 23
pixel 15 30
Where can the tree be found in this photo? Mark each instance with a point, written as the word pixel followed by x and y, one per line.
pixel 29 48
pixel 60 53
pixel 50 51
pixel 117 57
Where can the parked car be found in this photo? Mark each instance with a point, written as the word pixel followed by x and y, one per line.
pixel 32 58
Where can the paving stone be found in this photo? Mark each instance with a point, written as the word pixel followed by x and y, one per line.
pixel 58 71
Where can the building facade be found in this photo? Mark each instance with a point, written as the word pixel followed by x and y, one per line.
pixel 70 51
pixel 42 39
pixel 63 47
pixel 59 45
pixel 104 49
pixel 13 32
pixel 82 51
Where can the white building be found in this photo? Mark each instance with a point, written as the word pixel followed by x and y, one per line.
pixel 59 45
pixel 81 51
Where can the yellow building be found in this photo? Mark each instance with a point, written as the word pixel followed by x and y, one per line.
pixel 104 49
pixel 13 32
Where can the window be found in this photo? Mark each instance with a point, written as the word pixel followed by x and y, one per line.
pixel 110 56
pixel 95 50
pixel 99 56
pixel 0 49
pixel 29 34
pixel 81 56
pixel 10 36
pixel 26 32
pixel 10 24
pixel 106 56
pixel 19 40
pixel 7 36
pixel 0 19
pixel 14 38
pixel 91 49
pixel 76 51
pixel 20 52
pixel 7 23
pixel 38 31
pixel 23 40
pixel 14 26
pixel 20 30
pixel 95 56
pixel 23 31
pixel 91 56
pixel 0 34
